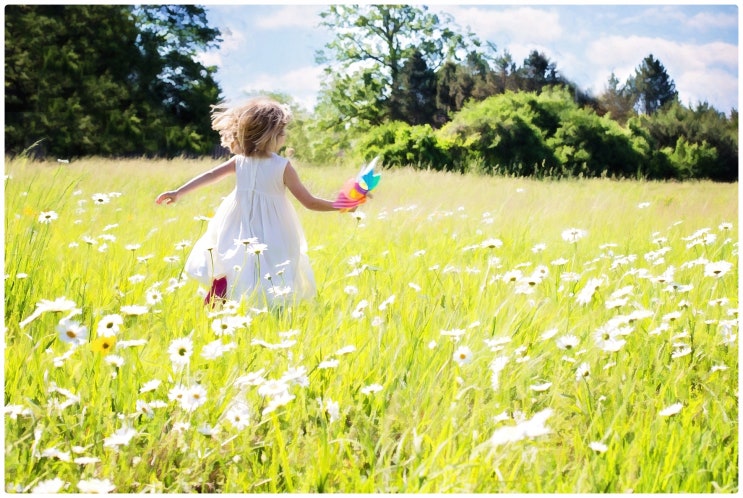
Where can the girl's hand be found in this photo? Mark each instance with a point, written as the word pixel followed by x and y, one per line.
pixel 167 197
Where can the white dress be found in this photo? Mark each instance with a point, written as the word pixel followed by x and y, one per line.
pixel 256 212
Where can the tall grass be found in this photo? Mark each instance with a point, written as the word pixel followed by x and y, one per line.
pixel 458 342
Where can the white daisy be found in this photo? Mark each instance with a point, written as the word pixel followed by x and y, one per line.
pixel 671 410
pixel 180 351
pixel 47 216
pixel 71 331
pixel 99 486
pixel 463 355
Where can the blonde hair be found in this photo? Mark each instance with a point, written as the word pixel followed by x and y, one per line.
pixel 252 128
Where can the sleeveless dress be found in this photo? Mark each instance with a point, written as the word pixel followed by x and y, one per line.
pixel 257 212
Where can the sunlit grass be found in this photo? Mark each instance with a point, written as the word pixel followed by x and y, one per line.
pixel 458 342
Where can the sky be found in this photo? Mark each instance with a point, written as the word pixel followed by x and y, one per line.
pixel 271 48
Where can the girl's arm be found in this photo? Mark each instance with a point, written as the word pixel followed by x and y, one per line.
pixel 297 188
pixel 203 179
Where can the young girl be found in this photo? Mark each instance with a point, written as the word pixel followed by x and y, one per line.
pixel 254 242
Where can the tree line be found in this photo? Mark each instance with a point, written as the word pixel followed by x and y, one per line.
pixel 109 80
pixel 402 82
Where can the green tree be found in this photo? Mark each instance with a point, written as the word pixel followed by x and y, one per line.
pixel 177 88
pixel 617 100
pixel 371 45
pixel 107 80
pixel 66 74
pixel 415 102
pixel 652 85
pixel 537 72
pixel 678 128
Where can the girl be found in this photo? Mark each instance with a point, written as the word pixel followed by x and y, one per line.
pixel 254 242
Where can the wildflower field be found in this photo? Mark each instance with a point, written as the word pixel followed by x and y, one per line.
pixel 470 334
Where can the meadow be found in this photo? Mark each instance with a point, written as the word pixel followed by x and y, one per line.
pixel 470 334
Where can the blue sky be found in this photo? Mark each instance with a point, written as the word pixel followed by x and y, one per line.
pixel 272 47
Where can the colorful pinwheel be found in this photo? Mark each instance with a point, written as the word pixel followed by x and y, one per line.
pixel 355 190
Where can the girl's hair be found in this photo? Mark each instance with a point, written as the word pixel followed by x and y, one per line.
pixel 251 128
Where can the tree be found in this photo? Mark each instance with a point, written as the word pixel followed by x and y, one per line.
pixel 505 68
pixel 652 85
pixel 415 100
pixel 108 80
pixel 617 101
pixel 537 72
pixel 371 45
pixel 65 77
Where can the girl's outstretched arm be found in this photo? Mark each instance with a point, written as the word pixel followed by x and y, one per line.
pixel 297 188
pixel 203 179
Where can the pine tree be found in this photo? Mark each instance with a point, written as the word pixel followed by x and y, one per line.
pixel 653 87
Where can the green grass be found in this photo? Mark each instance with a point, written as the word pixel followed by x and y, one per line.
pixel 422 268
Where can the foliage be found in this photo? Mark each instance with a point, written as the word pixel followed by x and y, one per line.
pixel 371 46
pixel 548 134
pixel 447 318
pixel 652 86
pixel 702 125
pixel 400 144
pixel 106 79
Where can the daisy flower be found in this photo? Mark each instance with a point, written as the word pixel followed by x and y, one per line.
pixel 345 350
pixel 296 375
pixel 329 363
pixel 149 386
pixel 180 351
pixel 134 310
pixel 371 389
pixel 194 397
pixel 222 326
pixel 671 410
pixel 71 331
pixel 154 297
pixel 567 342
pixel 573 235
pixel 717 269
pixel 101 199
pixel 272 388
pixel 121 437
pixel 215 349
pixel 104 344
pixel 43 306
pixel 598 447
pixel 49 486
pixel 251 379
pixel 108 326
pixel 182 244
pixel 47 216
pixel 277 401
pixel 238 415
pixel 540 387
pixel 332 408
pixel 463 355
pixel 582 372
pixel 256 248
pixel 491 243
pixel 100 486
pixel 115 360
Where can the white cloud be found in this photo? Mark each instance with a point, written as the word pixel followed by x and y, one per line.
pixel 292 16
pixel 709 20
pixel 303 84
pixel 520 25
